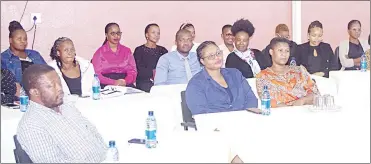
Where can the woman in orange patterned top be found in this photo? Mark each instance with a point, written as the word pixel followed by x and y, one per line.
pixel 288 85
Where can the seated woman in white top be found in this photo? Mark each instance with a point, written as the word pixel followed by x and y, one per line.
pixel 351 50
pixel 190 28
pixel 76 73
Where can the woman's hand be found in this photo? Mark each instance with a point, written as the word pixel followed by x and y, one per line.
pixel 319 74
pixel 120 82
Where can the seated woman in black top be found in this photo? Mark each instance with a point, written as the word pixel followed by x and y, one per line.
pixel 248 61
pixel 76 73
pixel 351 50
pixel 146 57
pixel 316 56
pixel 8 87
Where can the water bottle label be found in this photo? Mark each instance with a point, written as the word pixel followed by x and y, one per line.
pixel 363 65
pixel 23 100
pixel 96 89
pixel 151 134
pixel 266 104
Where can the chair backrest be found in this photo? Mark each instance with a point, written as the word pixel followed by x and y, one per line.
pixel 252 83
pixel 338 63
pixel 186 113
pixel 20 155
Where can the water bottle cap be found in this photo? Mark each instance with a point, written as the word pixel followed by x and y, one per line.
pixel 292 58
pixel 112 143
pixel 265 87
pixel 150 113
pixel 95 75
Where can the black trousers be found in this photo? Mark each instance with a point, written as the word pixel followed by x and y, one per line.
pixel 144 85
pixel 116 76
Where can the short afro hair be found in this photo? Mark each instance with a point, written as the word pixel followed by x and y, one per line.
pixel 243 25
pixel 277 40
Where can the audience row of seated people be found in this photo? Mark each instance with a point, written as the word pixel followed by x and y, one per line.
pixel 152 64
pixel 53 130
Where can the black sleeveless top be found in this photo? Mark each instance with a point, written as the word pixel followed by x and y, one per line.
pixel 355 51
pixel 74 84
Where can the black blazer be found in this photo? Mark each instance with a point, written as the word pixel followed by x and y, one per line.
pixel 325 60
pixel 233 61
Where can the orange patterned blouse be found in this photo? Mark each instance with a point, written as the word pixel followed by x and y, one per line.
pixel 288 87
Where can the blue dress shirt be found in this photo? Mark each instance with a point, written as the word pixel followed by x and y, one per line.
pixel 205 95
pixel 13 64
pixel 170 68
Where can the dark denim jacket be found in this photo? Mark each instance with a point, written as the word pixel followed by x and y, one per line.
pixel 13 64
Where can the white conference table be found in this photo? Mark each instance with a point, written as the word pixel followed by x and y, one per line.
pixel 123 118
pixel 9 123
pixel 295 134
pixel 114 117
pixel 289 135
pixel 178 147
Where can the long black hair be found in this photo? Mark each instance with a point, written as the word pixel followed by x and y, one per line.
pixel 107 28
pixel 353 22
pixel 54 51
pixel 14 26
pixel 314 24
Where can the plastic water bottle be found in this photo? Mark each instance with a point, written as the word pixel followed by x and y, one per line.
pixel 112 155
pixel 292 62
pixel 363 63
pixel 24 101
pixel 151 140
pixel 96 88
pixel 266 101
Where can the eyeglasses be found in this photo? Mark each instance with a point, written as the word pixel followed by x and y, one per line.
pixel 117 33
pixel 69 51
pixel 229 35
pixel 213 56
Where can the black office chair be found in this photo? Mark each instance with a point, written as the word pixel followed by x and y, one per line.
pixel 188 120
pixel 20 155
pixel 338 63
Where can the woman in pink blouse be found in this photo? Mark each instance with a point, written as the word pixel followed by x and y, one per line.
pixel 113 62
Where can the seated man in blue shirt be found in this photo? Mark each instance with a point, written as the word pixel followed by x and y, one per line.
pixel 178 67
pixel 217 89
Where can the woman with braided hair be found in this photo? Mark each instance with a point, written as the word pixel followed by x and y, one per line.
pixel 76 73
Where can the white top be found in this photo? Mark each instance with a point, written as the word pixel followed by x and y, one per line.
pixel 344 50
pixel 194 48
pixel 87 76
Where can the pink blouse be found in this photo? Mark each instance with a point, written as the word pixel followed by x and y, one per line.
pixel 121 61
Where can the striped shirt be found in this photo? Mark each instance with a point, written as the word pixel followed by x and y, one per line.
pixel 65 137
